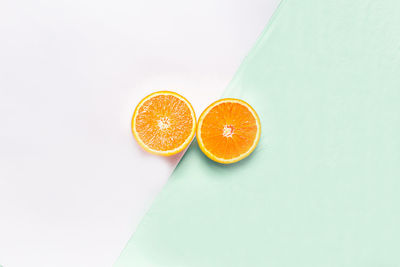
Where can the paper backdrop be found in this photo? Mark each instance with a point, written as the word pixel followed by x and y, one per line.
pixel 323 186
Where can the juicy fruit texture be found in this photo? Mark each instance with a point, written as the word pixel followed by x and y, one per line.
pixel 228 130
pixel 164 123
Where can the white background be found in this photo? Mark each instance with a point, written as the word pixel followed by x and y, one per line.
pixel 73 182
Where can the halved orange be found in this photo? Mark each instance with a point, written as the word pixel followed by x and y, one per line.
pixel 228 130
pixel 164 123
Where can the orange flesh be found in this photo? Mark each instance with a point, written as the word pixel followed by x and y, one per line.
pixel 229 130
pixel 164 122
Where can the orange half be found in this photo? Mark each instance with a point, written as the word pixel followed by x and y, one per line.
pixel 228 130
pixel 164 123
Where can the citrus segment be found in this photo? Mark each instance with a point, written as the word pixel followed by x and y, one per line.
pixel 164 123
pixel 228 130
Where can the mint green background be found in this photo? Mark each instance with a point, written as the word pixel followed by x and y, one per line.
pixel 323 186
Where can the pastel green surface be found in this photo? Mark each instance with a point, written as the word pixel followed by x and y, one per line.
pixel 323 186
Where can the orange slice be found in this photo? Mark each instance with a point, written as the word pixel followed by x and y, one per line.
pixel 228 130
pixel 164 123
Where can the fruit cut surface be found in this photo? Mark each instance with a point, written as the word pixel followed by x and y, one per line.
pixel 228 130
pixel 164 123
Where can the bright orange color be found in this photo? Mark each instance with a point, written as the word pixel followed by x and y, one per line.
pixel 228 130
pixel 164 123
